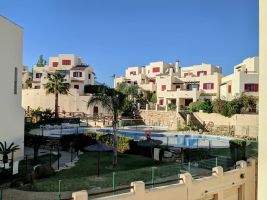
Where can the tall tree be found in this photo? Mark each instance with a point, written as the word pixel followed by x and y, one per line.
pixel 41 61
pixel 112 101
pixel 57 85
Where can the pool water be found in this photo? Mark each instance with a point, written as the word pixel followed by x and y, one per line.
pixel 179 140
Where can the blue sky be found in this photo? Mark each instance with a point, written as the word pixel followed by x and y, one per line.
pixel 114 34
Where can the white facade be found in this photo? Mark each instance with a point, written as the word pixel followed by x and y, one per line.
pixel 245 79
pixel 12 120
pixel 76 73
pixel 173 84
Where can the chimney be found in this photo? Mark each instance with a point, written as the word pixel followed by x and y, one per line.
pixel 171 70
pixel 178 68
pixel 143 70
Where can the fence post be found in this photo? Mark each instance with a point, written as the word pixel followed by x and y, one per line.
pixel 189 167
pixel 59 191
pixel 113 181
pixel 153 176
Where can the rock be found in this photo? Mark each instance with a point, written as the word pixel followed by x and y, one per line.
pixel 43 171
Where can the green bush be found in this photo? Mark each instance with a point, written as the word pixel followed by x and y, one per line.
pixel 218 105
pixel 238 149
pixel 205 105
pixel 172 106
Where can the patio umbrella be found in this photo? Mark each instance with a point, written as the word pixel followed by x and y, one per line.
pixel 99 147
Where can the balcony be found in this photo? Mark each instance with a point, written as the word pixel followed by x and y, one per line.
pixel 148 86
pixel 181 93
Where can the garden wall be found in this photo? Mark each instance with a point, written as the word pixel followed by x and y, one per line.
pixel 238 184
pixel 170 119
pixel 241 124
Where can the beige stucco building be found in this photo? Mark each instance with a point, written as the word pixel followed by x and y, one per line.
pixel 244 79
pixel 12 120
pixel 76 73
pixel 173 84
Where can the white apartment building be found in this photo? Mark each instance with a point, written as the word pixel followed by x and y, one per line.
pixel 244 79
pixel 76 73
pixel 12 120
pixel 173 84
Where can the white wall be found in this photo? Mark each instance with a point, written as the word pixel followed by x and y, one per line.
pixel 12 114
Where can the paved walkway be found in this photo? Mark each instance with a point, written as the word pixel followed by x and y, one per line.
pixel 65 157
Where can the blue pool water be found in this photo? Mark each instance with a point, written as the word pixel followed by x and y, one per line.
pixel 179 140
pixel 176 140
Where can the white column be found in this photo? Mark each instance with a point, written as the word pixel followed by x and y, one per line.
pixel 177 105
pixel 262 164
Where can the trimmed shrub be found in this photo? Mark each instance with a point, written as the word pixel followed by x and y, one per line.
pixel 238 149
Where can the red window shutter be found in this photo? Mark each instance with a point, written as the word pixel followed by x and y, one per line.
pixel 198 73
pixel 246 87
pixel 205 73
pixel 156 69
pixel 66 62
pixel 80 74
pixel 163 87
pixel 161 102
pixel 198 87
pixel 55 64
pixel 204 86
pixel 229 88
pixel 212 86
pixel 256 87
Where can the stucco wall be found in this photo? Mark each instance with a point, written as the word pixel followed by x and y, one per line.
pixel 220 186
pixel 12 114
pixel 243 124
pixel 170 119
pixel 70 103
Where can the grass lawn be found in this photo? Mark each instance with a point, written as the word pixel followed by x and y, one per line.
pixel 83 175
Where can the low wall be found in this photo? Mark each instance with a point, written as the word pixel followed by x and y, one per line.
pixel 170 119
pixel 238 184
pixel 72 102
pixel 240 124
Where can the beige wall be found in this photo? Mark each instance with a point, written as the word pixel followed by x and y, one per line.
pixel 262 172
pixel 221 185
pixel 12 114
pixel 70 103
pixel 244 124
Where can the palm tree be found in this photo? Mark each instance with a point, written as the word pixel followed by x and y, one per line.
pixel 112 101
pixel 4 150
pixel 57 85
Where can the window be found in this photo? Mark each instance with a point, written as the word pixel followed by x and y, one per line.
pixel 163 87
pixel 229 88
pixel 161 101
pixel 152 81
pixel 55 64
pixel 37 87
pixel 133 73
pixel 38 75
pixel 208 86
pixel 66 62
pixel 135 82
pixel 204 73
pixel 156 69
pixel 89 76
pixel 77 74
pixel 76 87
pixel 178 86
pixel 251 87
pixel 16 81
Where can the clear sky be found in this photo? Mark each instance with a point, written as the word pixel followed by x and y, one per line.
pixel 114 34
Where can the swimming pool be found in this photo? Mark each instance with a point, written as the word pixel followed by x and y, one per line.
pixel 171 139
pixel 179 140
